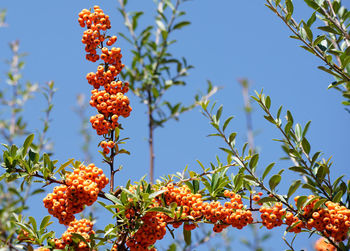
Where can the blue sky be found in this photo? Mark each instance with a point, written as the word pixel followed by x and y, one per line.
pixel 227 40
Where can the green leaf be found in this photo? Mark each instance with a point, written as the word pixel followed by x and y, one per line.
pixel 306 145
pixel 308 32
pixel 267 199
pixel 45 222
pixel 298 131
pixel 318 40
pixel 28 141
pixel 274 181
pixel 181 24
pixel 300 202
pixel 319 203
pixel 160 209
pixel 270 119
pixel 219 112
pixel 80 237
pixel 298 169
pixel 214 181
pixel 33 222
pixel 187 236
pixel 254 161
pixel 195 186
pixel 329 30
pixel 232 137
pixel 338 196
pixel 295 185
pixel 64 165
pixel 155 194
pixel 290 9
pixel 267 170
pixel 113 198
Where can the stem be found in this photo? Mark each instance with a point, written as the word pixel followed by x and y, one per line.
pixel 150 137
pixel 111 164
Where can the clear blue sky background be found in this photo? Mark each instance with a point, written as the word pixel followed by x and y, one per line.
pixel 227 40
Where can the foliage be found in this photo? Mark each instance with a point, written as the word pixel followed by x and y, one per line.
pixel 325 34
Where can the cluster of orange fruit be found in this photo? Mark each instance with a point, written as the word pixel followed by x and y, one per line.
pixel 333 220
pixel 81 188
pixel 95 22
pixel 153 228
pixel 272 216
pixel 231 213
pixel 107 145
pixel 323 245
pixel 24 236
pixel 82 227
pixel 111 103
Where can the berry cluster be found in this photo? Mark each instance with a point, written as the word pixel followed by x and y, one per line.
pixel 153 228
pixel 232 213
pixel 111 103
pixel 333 220
pixel 272 216
pixel 107 145
pixel 95 22
pixel 82 227
pixel 24 236
pixel 323 245
pixel 81 188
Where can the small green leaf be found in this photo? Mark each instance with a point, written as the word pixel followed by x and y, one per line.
pixel 64 165
pixel 45 222
pixel 28 141
pixel 295 185
pixel 254 161
pixel 112 198
pixel 181 24
pixel 267 199
pixel 274 181
pixel 306 145
pixel 338 196
pixel 227 122
pixel 33 222
pixel 267 170
pixel 300 202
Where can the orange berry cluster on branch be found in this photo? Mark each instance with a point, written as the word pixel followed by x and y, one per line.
pixel 272 216
pixel 153 228
pixel 82 188
pixel 82 227
pixel 333 220
pixel 24 236
pixel 107 145
pixel 111 103
pixel 95 22
pixel 231 213
pixel 323 245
